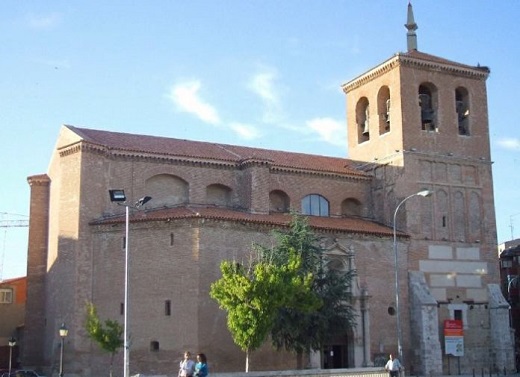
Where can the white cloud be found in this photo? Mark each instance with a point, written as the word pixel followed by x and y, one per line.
pixel 245 131
pixel 264 85
pixel 41 21
pixel 187 98
pixel 329 130
pixel 510 143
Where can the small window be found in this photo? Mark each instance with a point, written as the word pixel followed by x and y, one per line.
pixel 507 263
pixel 123 243
pixel 6 296
pixel 122 308
pixel 457 314
pixel 315 205
pixel 172 239
pixel 168 308
pixel 154 346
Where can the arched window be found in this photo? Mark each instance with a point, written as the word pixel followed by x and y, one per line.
pixel 218 195
pixel 363 120
pixel 428 105
pixel 278 201
pixel 167 190
pixel 315 205
pixel 462 109
pixel 351 207
pixel 384 107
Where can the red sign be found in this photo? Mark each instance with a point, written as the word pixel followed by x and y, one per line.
pixel 453 327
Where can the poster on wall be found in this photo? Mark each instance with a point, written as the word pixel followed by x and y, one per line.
pixel 453 337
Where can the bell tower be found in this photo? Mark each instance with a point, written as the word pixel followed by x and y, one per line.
pixel 417 122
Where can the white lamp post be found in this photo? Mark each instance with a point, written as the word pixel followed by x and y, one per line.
pixel 118 196
pixel 63 331
pixel 12 343
pixel 423 193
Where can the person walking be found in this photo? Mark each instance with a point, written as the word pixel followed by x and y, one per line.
pixel 186 366
pixel 393 366
pixel 201 368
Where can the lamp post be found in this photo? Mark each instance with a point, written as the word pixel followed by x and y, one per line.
pixel 12 343
pixel 118 196
pixel 63 331
pixel 423 193
pixel 513 281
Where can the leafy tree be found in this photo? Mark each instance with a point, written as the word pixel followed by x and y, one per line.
pixel 109 336
pixel 253 295
pixel 302 331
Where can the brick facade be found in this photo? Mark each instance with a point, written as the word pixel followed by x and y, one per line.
pixel 212 202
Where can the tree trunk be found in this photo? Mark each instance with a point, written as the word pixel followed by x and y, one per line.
pixel 247 361
pixel 111 364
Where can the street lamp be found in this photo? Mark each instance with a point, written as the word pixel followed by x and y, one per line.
pixel 118 196
pixel 12 343
pixel 63 331
pixel 423 193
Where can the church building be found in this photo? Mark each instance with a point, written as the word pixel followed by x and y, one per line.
pixel 411 211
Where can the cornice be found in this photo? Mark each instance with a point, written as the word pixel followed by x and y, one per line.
pixel 121 154
pixel 324 174
pixel 374 73
pixel 422 63
pixel 479 73
pixel 39 180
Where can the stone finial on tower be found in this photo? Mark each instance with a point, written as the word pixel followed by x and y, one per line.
pixel 411 36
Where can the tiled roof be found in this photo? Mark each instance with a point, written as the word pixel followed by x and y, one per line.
pixel 346 224
pixel 12 280
pixel 215 152
pixel 435 59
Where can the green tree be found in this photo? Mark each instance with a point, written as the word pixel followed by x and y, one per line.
pixel 301 331
pixel 108 335
pixel 253 295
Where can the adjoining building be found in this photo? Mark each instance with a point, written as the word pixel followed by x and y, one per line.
pixel 509 255
pixel 415 122
pixel 13 295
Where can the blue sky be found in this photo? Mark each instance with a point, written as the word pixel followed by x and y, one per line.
pixel 258 73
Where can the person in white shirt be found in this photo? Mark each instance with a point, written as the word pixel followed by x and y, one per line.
pixel 186 366
pixel 393 366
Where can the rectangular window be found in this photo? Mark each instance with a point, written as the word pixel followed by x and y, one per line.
pixel 168 308
pixel 457 314
pixel 6 296
pixel 172 239
pixel 123 243
pixel 122 308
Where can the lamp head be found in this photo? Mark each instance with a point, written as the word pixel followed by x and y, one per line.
pixel 141 202
pixel 425 193
pixel 64 331
pixel 12 342
pixel 117 195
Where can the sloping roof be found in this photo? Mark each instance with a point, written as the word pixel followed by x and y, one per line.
pixel 436 59
pixel 215 152
pixel 343 224
pixel 417 59
pixel 12 280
